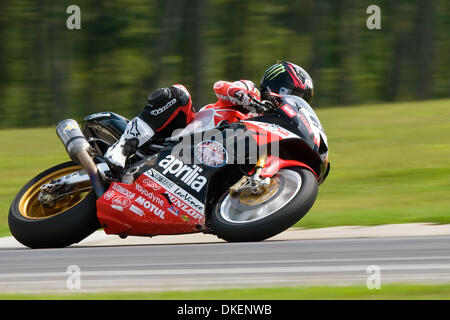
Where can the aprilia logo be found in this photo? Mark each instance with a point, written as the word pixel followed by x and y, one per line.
pixel 189 175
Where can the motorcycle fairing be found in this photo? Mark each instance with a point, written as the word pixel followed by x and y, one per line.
pixel 168 197
pixel 148 207
pixel 273 164
pixel 104 129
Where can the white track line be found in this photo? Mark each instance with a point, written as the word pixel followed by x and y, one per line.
pixel 99 238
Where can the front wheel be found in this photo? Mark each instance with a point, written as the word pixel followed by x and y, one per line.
pixel 68 221
pixel 257 217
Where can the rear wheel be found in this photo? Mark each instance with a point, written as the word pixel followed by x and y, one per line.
pixel 257 217
pixel 69 220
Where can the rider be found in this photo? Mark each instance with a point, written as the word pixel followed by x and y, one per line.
pixel 171 108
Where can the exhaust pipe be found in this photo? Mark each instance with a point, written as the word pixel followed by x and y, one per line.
pixel 78 147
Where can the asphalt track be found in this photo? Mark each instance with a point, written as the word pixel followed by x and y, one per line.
pixel 222 265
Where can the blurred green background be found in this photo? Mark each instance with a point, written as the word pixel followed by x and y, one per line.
pixel 127 48
pixel 389 148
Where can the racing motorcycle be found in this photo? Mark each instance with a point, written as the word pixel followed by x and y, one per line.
pixel 247 181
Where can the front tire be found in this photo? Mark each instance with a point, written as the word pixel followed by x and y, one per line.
pixel 288 207
pixel 72 220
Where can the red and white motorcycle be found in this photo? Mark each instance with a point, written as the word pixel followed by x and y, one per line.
pixel 243 181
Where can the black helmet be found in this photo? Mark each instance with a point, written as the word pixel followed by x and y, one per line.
pixel 287 78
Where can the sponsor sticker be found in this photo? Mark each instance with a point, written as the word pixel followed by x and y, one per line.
pixel 109 195
pixel 122 201
pixel 149 195
pixel 187 205
pixel 137 210
pixel 123 191
pixel 174 210
pixel 288 110
pixel 189 175
pixel 152 184
pixel 116 207
pixel 152 208
pixel 160 179
pixel 274 128
pixel 180 199
pixel 211 153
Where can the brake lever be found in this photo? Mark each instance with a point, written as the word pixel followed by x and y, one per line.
pixel 262 107
pixel 259 106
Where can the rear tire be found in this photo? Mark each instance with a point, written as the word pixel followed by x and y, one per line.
pixel 274 223
pixel 55 231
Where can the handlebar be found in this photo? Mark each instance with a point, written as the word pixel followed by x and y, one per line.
pixel 263 106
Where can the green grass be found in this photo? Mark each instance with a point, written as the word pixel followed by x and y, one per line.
pixel 386 292
pixel 390 164
pixel 24 153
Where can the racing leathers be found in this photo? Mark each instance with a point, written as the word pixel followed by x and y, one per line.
pixel 171 108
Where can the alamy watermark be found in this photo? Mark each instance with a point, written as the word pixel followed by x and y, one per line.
pixel 373 22
pixel 374 278
pixel 73 281
pixel 229 146
pixel 73 22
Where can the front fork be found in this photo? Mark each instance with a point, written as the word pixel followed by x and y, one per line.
pixel 259 181
pixel 253 184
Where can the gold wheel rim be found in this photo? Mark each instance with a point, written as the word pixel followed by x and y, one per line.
pixel 30 206
pixel 252 199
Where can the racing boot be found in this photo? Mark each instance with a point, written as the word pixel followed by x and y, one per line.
pixel 136 134
pixel 167 108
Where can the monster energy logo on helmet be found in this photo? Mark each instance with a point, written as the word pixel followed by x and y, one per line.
pixel 287 78
pixel 274 71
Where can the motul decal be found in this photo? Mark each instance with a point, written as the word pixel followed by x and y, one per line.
pixel 152 208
